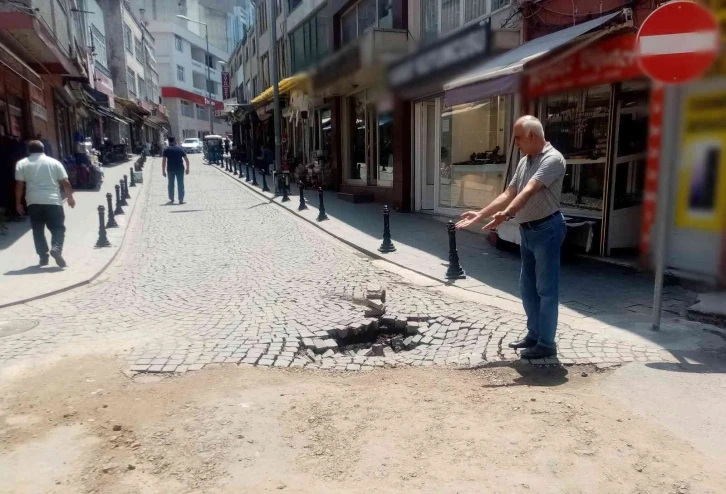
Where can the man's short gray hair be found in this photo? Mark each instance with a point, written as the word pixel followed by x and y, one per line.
pixel 532 125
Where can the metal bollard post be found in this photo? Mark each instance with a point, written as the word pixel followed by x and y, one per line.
pixel 247 172
pixel 123 194
pixel 111 223
pixel 133 180
pixel 285 196
pixel 265 188
pixel 254 175
pixel 322 215
pixel 118 201
pixel 102 239
pixel 386 245
pixel 302 205
pixel 455 272
pixel 126 187
pixel 235 172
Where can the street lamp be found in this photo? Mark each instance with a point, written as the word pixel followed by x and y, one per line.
pixel 206 62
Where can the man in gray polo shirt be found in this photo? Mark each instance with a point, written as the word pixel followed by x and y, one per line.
pixel 533 200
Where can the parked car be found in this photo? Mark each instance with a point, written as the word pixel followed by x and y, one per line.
pixel 192 145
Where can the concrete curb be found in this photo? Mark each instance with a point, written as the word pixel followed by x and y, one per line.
pixel 92 278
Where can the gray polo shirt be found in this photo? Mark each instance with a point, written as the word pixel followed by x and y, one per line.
pixel 548 167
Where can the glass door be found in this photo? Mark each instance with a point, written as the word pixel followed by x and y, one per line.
pixel 628 176
pixel 357 137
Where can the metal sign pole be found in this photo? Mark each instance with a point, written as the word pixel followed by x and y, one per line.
pixel 664 212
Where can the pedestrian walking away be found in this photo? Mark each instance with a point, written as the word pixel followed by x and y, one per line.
pixel 533 200
pixel 41 177
pixel 173 166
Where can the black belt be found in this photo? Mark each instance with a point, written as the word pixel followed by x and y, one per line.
pixel 528 225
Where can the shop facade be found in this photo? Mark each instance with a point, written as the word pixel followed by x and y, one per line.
pixel 594 104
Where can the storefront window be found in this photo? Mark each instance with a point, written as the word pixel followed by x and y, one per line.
pixel 576 123
pixel 474 138
pixel 385 148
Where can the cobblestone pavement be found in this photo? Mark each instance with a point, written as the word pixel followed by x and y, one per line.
pixel 230 278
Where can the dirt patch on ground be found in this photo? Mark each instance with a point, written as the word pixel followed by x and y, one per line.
pixel 81 425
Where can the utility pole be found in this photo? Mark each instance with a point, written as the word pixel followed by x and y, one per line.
pixel 209 79
pixel 275 89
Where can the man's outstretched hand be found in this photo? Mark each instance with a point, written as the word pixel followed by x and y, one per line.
pixel 497 220
pixel 467 219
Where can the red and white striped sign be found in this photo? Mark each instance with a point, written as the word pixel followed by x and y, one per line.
pixel 678 42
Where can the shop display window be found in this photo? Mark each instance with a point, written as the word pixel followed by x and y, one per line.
pixel 576 123
pixel 474 139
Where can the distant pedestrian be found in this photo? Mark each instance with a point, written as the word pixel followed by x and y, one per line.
pixel 533 200
pixel 174 160
pixel 42 177
pixel 227 144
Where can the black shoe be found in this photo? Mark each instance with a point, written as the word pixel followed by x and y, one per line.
pixel 56 254
pixel 538 351
pixel 523 343
pixel 171 201
pixel 182 202
pixel 43 260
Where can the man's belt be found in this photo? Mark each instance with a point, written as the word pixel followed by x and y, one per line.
pixel 528 225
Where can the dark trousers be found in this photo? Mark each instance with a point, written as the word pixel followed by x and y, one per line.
pixel 53 217
pixel 178 174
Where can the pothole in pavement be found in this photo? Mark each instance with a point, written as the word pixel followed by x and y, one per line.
pixel 373 342
pixel 15 326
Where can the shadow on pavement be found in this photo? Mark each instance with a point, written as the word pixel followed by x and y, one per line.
pixel 529 375
pixel 13 231
pixel 35 269
pixel 693 362
pixel 187 211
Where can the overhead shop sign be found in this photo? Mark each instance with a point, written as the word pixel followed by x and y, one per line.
pixel 610 60
pixel 444 55
pixel 225 85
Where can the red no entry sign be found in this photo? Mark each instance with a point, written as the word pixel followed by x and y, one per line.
pixel 678 42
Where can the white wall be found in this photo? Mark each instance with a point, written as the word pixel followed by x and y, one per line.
pixel 166 53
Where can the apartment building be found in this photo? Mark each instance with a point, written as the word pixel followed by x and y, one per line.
pixel 190 81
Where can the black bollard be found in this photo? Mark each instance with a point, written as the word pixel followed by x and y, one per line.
pixel 118 201
pixel 133 180
pixel 285 196
pixel 386 245
pixel 111 223
pixel 247 172
pixel 254 175
pixel 102 239
pixel 236 168
pixel 302 205
pixel 126 187
pixel 455 272
pixel 123 193
pixel 265 188
pixel 321 206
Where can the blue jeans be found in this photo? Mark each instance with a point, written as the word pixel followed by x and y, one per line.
pixel 539 280
pixel 178 174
